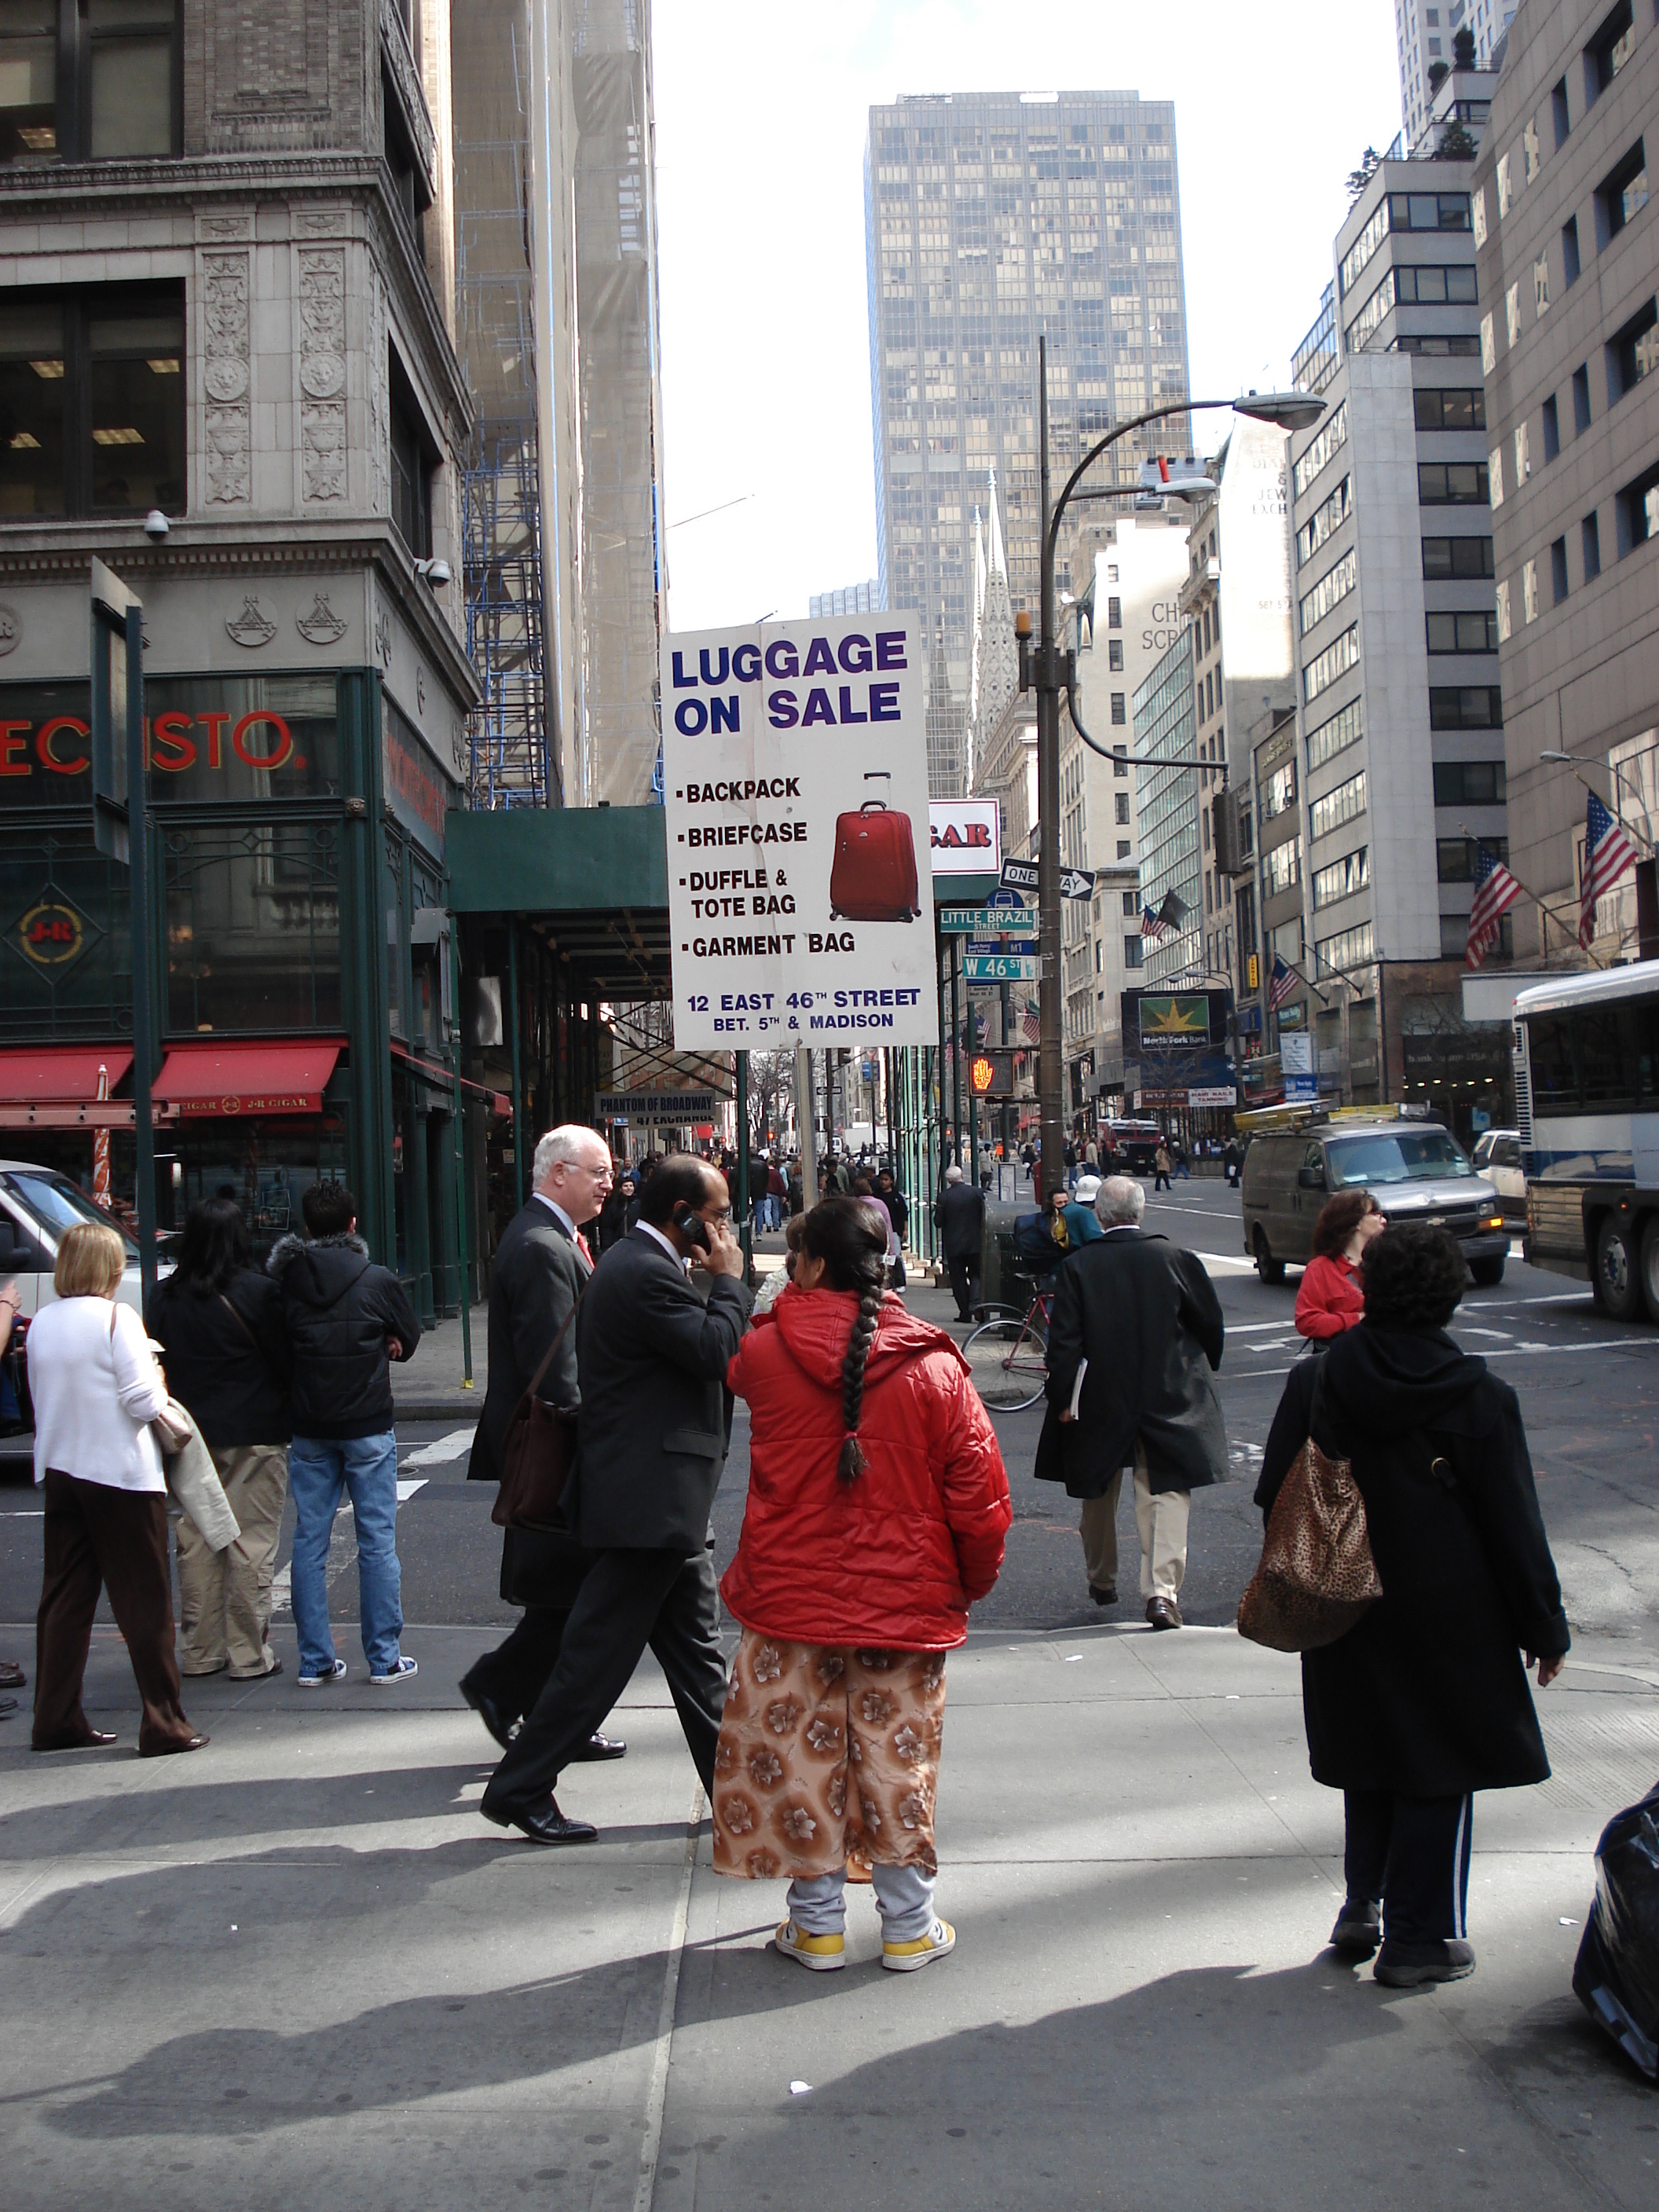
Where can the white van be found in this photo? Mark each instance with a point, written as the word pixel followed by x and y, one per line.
pixel 37 1205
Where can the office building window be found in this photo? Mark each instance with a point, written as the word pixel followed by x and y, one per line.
pixel 414 459
pixel 1608 51
pixel 1540 285
pixel 1328 516
pixel 1456 410
pixel 1344 728
pixel 1456 556
pixel 1332 587
pixel 1115 655
pixel 1552 419
pixel 1455 859
pixel 1570 253
pixel 88 80
pixel 1342 878
pixel 1343 804
pixel 1581 406
pixel 1349 948
pixel 1470 783
pixel 1621 195
pixel 1558 569
pixel 1340 655
pixel 1278 791
pixel 1131 902
pixel 1452 484
pixel 1120 808
pixel 1501 597
pixel 1120 766
pixel 1523 453
pixel 1633 352
pixel 1529 591
pixel 1125 849
pixel 1465 707
pixel 1120 709
pixel 1331 438
pixel 1113 614
pixel 92 388
pixel 1559 111
pixel 1637 506
pixel 1282 865
pixel 1132 949
pixel 1462 633
pixel 1589 541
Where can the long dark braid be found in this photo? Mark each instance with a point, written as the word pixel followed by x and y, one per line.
pixel 852 1242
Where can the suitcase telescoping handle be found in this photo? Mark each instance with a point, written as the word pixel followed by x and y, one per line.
pixel 875 805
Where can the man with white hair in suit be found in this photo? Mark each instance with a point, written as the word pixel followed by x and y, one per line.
pixel 1144 1317
pixel 960 1212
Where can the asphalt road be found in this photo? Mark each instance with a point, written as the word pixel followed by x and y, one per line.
pixel 1590 1391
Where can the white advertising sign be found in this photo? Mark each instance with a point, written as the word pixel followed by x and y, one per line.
pixel 966 835
pixel 795 789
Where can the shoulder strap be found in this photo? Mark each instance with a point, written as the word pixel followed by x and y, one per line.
pixel 239 1322
pixel 547 1357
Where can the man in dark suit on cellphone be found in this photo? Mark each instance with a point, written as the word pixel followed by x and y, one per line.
pixel 542 1266
pixel 651 1356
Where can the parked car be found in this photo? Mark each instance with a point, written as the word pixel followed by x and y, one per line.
pixel 1497 1156
pixel 37 1205
pixel 1414 1168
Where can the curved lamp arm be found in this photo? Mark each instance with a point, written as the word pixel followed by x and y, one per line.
pixel 1116 753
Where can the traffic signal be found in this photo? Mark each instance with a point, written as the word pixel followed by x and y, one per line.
pixel 991 1074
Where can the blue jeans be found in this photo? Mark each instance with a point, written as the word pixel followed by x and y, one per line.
pixel 319 1469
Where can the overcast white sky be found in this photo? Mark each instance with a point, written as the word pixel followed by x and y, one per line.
pixel 763 107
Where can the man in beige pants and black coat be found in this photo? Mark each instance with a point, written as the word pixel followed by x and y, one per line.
pixel 1144 1317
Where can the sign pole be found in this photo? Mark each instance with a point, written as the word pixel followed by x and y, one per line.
pixel 745 1236
pixel 139 883
pixel 806 1127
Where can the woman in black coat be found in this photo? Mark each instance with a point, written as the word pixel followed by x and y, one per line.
pixel 1426 1700
pixel 218 1320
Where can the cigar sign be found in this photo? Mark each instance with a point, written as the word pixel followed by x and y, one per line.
pixel 800 850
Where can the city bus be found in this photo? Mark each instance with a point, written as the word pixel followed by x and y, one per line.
pixel 1587 1107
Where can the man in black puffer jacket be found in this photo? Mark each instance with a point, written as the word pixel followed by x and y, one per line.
pixel 345 1318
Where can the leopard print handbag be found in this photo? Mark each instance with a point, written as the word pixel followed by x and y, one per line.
pixel 1317 1576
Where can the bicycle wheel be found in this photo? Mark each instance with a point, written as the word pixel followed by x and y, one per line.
pixel 1007 1360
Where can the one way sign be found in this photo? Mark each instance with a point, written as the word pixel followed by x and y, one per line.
pixel 1022 876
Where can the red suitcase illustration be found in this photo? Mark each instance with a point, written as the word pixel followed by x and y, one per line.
pixel 873 875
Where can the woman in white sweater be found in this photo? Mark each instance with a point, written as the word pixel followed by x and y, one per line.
pixel 96 1388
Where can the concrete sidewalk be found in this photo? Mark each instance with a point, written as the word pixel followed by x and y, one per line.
pixel 299 1969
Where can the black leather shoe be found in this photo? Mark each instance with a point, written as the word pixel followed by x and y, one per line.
pixel 1411 1965
pixel 1358 1929
pixel 542 1824
pixel 599 1746
pixel 1163 1613
pixel 1106 1596
pixel 489 1713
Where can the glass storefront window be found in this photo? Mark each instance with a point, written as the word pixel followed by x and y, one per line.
pixel 65 968
pixel 266 1166
pixel 253 919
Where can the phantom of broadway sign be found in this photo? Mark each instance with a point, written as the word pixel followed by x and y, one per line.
pixel 795 788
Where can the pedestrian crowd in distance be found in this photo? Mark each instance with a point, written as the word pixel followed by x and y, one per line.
pixel 876 1515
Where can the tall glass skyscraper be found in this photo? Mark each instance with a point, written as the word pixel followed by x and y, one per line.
pixel 991 218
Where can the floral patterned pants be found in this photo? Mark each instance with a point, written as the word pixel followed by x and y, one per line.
pixel 827 1756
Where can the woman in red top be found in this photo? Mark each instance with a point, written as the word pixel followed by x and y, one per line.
pixel 877 1509
pixel 1330 1299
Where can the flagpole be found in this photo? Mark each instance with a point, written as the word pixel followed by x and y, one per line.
pixel 1558 913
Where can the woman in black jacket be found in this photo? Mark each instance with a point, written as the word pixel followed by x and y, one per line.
pixel 1425 1700
pixel 219 1322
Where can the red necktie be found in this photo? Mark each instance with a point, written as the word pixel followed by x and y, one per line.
pixel 581 1246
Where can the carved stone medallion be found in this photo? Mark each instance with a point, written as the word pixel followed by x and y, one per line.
pixel 10 630
pixel 253 626
pixel 322 626
pixel 383 636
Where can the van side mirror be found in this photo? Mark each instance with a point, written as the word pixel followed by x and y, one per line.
pixel 1311 1178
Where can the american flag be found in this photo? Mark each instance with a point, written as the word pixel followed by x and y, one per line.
pixel 1495 892
pixel 1608 853
pixel 1150 924
pixel 1281 983
pixel 1031 1023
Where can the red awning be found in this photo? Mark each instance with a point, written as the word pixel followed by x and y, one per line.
pixel 60 1074
pixel 248 1079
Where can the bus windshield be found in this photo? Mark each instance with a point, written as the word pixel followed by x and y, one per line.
pixel 57 1205
pixel 1409 1156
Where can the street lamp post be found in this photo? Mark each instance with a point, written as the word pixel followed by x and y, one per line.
pixel 1048 672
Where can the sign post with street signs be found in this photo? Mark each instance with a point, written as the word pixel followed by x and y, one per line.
pixel 800 846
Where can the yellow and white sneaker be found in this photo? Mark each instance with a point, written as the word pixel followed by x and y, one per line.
pixel 905 1958
pixel 820 1953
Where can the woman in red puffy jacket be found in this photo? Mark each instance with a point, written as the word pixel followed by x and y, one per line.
pixel 877 1510
pixel 1330 1299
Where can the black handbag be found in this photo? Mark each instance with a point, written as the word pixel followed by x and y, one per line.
pixel 538 1454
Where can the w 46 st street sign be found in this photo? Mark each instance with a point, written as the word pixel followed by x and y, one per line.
pixel 998 968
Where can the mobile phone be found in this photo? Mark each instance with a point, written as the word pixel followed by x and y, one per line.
pixel 691 1227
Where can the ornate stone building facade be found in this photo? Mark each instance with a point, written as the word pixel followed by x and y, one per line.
pixel 226 369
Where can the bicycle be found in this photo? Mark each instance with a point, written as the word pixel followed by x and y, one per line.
pixel 1008 1358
